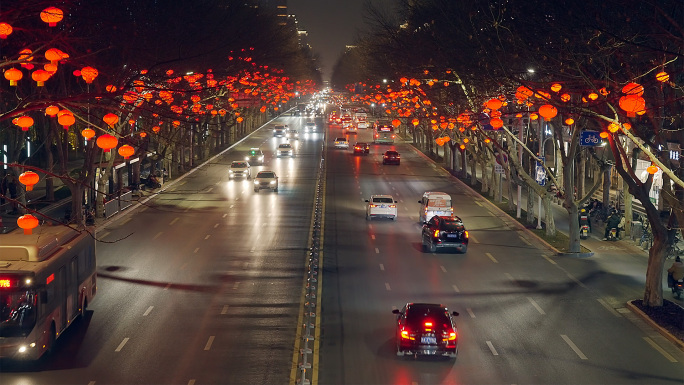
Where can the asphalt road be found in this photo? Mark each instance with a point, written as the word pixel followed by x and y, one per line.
pixel 201 286
pixel 526 317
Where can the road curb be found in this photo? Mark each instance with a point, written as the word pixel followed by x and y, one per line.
pixel 495 207
pixel 576 255
pixel 664 332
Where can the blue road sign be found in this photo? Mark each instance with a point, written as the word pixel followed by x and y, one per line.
pixel 590 138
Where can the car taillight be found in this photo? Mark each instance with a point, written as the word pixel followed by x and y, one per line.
pixel 436 233
pixel 405 334
pixel 373 205
pixel 392 206
pixel 466 233
pixel 392 136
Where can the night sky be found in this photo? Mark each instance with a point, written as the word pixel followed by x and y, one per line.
pixel 332 24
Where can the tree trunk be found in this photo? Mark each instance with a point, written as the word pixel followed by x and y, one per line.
pixel 606 187
pixel 531 197
pixel 548 216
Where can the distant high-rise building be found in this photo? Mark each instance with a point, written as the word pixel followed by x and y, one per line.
pixel 277 7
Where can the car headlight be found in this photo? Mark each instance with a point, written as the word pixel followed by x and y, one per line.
pixel 272 182
pixel 256 181
pixel 246 158
pixel 230 171
pixel 261 158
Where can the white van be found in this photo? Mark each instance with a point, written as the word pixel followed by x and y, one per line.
pixel 434 203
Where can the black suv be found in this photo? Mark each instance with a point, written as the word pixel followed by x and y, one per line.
pixel 391 157
pixel 443 231
pixel 426 329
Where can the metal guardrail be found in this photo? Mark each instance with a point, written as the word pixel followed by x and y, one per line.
pixel 118 203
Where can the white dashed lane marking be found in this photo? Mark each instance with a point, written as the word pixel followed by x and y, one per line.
pixel 225 309
pixel 456 289
pixel 377 251
pixel 573 346
pixel 121 345
pixel 148 311
pixel 491 347
pixel 387 286
pixel 382 267
pixel 174 221
pixel 470 312
pixel 491 257
pixel 209 342
pixel 536 305
pixel 443 269
pixel 372 236
pixel 158 235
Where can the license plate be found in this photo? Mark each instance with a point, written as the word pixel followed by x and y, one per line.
pixel 383 206
pixel 452 235
pixel 428 340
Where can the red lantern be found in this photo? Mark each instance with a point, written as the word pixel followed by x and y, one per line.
pixel 51 110
pixel 633 89
pixel 493 104
pixel 52 16
pixel 29 179
pixel 24 122
pixel 88 133
pixel 613 127
pixel 496 123
pixel 66 120
pixel 604 135
pixel 54 55
pixel 652 169
pixel 415 122
pixel 110 119
pixel 556 87
pixel 27 222
pixel 662 77
pixel 239 119
pixel 396 123
pixel 126 151
pixel 156 129
pixel 89 74
pixel 534 116
pixel 5 30
pixel 548 111
pixel 13 75
pixel 106 142
pixel 569 121
pixel 40 76
pixel 632 104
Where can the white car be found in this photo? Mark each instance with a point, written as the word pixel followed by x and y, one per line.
pixel 292 134
pixel 309 127
pixel 239 169
pixel 381 206
pixel 341 143
pixel 266 180
pixel 285 149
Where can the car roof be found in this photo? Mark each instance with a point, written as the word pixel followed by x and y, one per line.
pixel 343 139
pixel 391 151
pixel 382 196
pixel 239 162
pixel 284 145
pixel 266 171
pixel 436 194
pixel 255 149
pixel 450 218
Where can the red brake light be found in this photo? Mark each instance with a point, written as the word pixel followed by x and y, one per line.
pixel 428 324
pixel 373 205
pixel 452 336
pixel 436 233
pixel 466 234
pixel 393 206
pixel 405 334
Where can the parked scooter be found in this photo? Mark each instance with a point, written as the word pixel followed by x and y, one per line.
pixel 677 288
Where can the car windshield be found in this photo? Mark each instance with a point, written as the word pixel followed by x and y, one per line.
pixel 17 313
pixel 417 315
pixel 453 226
pixel 439 202
pixel 238 165
pixel 341 140
pixel 311 124
pixel 383 200
pixel 266 175
pixel 287 146
pixel 391 153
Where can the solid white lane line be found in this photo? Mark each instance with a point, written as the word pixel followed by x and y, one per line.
pixel 406 208
pixel 549 259
pixel 659 349
pixel 491 257
pixel 573 346
pixel 209 189
pixel 236 285
pixel 226 214
pixel 526 241
pixel 478 203
pixel 207 237
pixel 536 305
pixel 608 307
pixel 196 250
pixel 158 234
pixel 470 312
pixel 225 309
pixel 443 269
pixel 216 225
pixel 387 286
pixel 208 345
pixel 121 345
pixel 372 236
pixel 491 347
pixel 382 267
pixel 174 221
pixel 510 277
pixel 456 289
pixel 577 281
pixel 104 235
pixel 377 251
pixel 148 311
pixel 472 239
